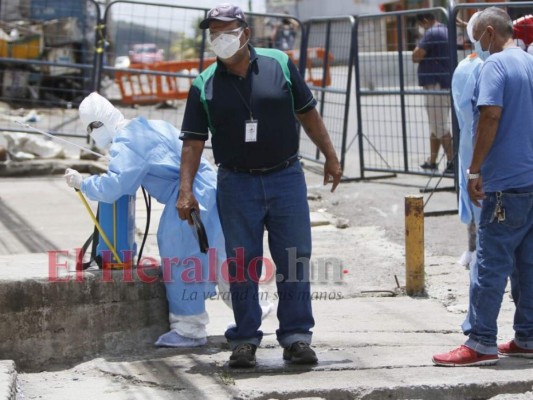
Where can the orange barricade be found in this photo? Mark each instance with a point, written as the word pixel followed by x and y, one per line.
pixel 143 87
pixel 314 65
pixel 137 87
pixel 173 87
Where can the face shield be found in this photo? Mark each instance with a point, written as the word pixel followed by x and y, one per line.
pixel 470 26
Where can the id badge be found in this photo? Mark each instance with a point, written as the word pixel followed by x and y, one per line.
pixel 250 131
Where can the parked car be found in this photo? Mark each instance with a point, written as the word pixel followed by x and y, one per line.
pixel 146 53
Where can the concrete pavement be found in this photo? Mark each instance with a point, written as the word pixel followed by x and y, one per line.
pixel 373 342
pixel 369 348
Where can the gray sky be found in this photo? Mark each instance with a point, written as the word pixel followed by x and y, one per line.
pixel 165 18
pixel 257 5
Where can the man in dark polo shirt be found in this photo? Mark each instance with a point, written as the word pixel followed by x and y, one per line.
pixel 433 57
pixel 250 101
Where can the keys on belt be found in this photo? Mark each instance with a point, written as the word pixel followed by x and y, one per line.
pixel 499 213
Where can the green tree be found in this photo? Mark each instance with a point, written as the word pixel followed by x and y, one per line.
pixel 187 46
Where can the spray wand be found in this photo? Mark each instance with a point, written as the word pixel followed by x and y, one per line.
pixel 59 139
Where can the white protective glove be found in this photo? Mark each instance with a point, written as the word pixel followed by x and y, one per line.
pixel 73 178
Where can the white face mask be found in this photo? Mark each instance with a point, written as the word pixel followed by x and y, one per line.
pixel 482 54
pixel 421 31
pixel 102 138
pixel 226 45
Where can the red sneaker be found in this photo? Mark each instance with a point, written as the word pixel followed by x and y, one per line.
pixel 464 357
pixel 511 349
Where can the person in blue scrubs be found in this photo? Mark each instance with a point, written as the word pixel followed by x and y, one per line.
pixel 463 83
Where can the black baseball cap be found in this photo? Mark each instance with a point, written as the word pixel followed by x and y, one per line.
pixel 223 12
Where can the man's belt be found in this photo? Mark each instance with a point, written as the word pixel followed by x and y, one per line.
pixel 264 171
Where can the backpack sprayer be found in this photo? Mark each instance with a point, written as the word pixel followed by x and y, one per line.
pixel 115 220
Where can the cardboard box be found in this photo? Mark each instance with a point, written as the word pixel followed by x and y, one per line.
pixel 58 32
pixel 29 46
pixel 60 55
pixel 15 84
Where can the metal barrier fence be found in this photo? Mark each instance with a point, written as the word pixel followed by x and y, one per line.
pixel 155 52
pixel 143 57
pixel 392 121
pixel 47 64
pixel 332 70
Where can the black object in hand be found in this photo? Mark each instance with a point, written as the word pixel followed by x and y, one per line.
pixel 199 231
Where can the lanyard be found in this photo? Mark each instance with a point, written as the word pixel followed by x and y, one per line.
pixel 248 104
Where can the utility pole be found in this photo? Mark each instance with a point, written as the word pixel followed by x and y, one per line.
pixel 250 5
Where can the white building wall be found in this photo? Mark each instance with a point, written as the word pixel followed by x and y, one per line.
pixel 305 9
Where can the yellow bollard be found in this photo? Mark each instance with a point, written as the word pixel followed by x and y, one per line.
pixel 414 245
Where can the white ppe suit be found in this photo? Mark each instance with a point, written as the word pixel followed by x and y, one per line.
pixel 148 153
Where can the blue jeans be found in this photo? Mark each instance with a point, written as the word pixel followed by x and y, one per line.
pixel 278 202
pixel 503 246
pixel 513 279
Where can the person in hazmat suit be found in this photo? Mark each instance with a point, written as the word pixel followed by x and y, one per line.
pixel 148 153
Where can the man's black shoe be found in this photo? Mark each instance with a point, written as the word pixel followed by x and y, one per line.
pixel 243 356
pixel 450 170
pixel 300 353
pixel 428 165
